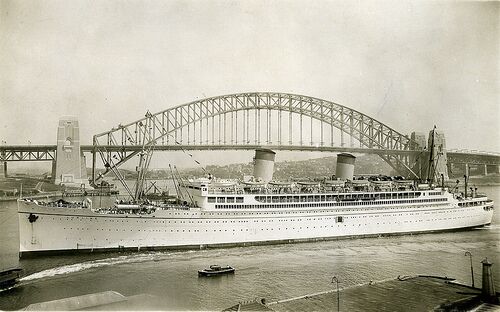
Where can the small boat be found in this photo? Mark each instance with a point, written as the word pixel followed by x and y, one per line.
pixel 214 270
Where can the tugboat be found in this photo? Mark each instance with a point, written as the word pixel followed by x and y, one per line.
pixel 214 270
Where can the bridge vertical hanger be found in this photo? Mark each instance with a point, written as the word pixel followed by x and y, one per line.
pixel 342 122
pixel 201 124
pixel 290 121
pixel 248 127
pixel 321 126
pixel 243 131
pixel 279 127
pixel 206 132
pixel 189 125
pixel 331 128
pixel 301 126
pixel 311 130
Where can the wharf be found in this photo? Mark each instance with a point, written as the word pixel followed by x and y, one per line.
pixel 417 293
pixel 103 301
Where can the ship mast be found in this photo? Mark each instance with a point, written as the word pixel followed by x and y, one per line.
pixel 431 168
pixel 142 168
pixel 144 160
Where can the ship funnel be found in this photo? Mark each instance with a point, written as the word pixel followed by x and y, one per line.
pixel 263 165
pixel 345 166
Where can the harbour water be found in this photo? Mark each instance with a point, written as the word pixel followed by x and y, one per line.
pixel 273 272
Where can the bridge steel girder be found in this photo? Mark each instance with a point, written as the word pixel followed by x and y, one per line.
pixel 27 153
pixel 472 159
pixel 48 152
pixel 154 128
pixel 282 147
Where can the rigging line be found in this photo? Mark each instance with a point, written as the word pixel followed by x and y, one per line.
pixel 149 156
pixel 174 179
pixel 149 187
pixel 417 159
pixel 431 166
pixel 146 171
pixel 190 155
pixel 144 155
pixel 182 180
pixel 114 169
pixel 177 181
pixel 121 178
pixel 436 173
pixel 148 149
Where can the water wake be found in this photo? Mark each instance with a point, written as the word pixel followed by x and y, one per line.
pixel 78 267
pixel 126 259
pixel 83 266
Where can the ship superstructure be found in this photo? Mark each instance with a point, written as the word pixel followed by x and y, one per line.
pixel 215 212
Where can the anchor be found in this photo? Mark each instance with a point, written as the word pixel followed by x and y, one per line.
pixel 32 218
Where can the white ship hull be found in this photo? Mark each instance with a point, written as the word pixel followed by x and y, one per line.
pixel 58 229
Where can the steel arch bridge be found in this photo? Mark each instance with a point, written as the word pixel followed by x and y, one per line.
pixel 246 120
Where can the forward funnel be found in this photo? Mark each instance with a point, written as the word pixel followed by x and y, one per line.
pixel 345 166
pixel 263 165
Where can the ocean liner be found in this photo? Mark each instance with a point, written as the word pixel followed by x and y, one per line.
pixel 214 213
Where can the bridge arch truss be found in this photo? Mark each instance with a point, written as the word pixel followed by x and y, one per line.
pixel 285 120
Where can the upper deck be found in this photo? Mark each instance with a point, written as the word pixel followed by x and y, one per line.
pixel 347 189
pixel 227 194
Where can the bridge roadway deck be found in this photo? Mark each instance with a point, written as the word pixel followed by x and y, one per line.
pixel 47 152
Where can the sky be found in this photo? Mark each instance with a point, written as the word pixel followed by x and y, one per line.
pixel 408 64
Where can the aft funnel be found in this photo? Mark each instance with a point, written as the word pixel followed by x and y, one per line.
pixel 345 166
pixel 263 165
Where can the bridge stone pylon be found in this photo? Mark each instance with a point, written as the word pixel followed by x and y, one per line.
pixel 421 160
pixel 70 168
pixel 3 169
pixel 440 157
